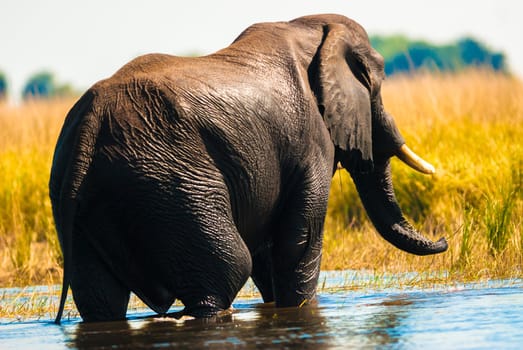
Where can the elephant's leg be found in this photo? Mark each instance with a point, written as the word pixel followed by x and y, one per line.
pixel 296 253
pixel 98 295
pixel 215 269
pixel 262 272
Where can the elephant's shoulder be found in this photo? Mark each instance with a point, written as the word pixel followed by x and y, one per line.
pixel 148 64
pixel 143 74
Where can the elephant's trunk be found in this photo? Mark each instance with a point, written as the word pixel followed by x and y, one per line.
pixel 377 195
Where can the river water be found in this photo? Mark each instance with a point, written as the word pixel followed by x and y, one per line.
pixel 481 315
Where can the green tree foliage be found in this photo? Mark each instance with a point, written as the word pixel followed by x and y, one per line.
pixel 403 55
pixel 39 85
pixel 3 86
pixel 44 85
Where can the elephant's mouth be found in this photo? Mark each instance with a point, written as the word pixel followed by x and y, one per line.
pixel 378 198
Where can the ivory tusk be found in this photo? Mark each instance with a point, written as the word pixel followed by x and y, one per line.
pixel 414 161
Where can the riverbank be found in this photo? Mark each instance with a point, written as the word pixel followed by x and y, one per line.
pixel 40 303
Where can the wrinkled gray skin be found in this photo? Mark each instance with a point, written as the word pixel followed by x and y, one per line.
pixel 178 178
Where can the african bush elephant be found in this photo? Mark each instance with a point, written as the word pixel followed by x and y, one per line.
pixel 178 178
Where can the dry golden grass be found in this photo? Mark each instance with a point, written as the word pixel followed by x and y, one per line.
pixel 29 251
pixel 470 125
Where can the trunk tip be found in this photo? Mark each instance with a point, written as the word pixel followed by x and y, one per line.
pixel 431 248
pixel 441 245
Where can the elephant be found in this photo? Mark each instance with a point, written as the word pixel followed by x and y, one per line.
pixel 178 178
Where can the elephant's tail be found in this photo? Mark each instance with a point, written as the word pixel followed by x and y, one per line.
pixel 68 214
pixel 72 160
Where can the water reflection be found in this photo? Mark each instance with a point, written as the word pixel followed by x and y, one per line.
pixel 476 315
pixel 335 323
pixel 386 320
pixel 373 321
pixel 265 327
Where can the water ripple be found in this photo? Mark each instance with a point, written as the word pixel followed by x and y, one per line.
pixel 483 315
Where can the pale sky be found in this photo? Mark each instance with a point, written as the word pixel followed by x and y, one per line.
pixel 82 42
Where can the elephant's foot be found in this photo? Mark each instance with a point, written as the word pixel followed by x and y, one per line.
pixel 182 316
pixel 204 310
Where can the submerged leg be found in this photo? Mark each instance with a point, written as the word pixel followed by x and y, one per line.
pixel 98 294
pixel 262 271
pixel 218 266
pixel 296 252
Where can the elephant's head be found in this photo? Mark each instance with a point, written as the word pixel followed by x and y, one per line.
pixel 346 77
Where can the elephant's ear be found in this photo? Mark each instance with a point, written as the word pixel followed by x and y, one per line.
pixel 344 91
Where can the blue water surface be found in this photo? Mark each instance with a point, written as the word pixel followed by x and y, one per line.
pixel 482 315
